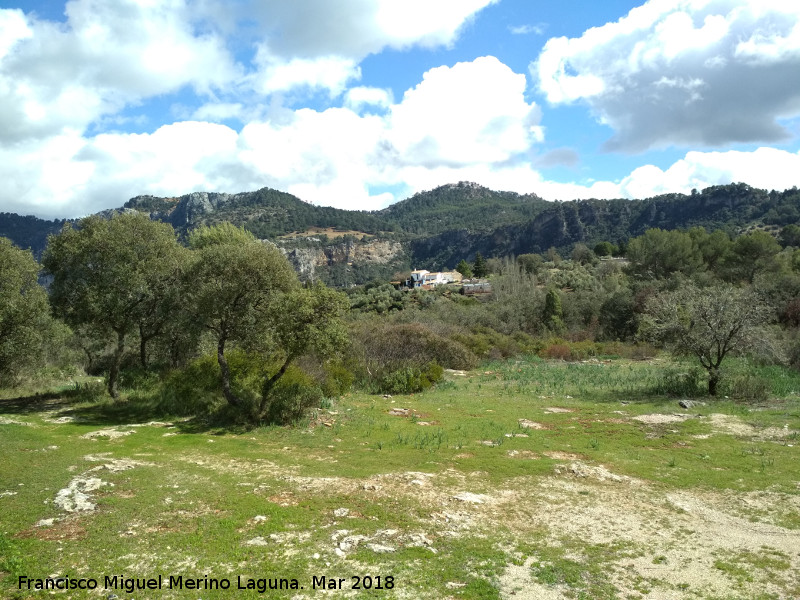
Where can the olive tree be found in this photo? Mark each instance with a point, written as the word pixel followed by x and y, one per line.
pixel 112 275
pixel 708 324
pixel 24 312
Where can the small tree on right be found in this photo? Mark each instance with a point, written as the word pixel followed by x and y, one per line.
pixel 707 323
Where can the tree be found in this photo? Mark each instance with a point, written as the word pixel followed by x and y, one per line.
pixel 235 281
pixel 109 274
pixel 553 314
pixel 464 268
pixel 604 249
pixel 750 254
pixel 480 268
pixel 617 315
pixel 714 247
pixel 581 254
pixel 304 320
pixel 531 263
pixel 790 236
pixel 24 312
pixel 707 323
pixel 660 253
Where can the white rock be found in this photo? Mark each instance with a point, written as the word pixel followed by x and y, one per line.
pixel 257 541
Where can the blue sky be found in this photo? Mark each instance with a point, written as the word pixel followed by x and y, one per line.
pixel 361 103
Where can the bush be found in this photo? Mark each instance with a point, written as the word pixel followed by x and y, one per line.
pixel 291 398
pixel 747 387
pixel 194 390
pixel 409 380
pixel 337 379
pixel 681 383
pixel 90 391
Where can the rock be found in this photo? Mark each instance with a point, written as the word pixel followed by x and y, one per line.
pixel 257 541
pixel 379 548
pixel 470 498
pixel 351 542
pixel 527 424
pixel 111 434
pixel 259 519
pixel 690 403
pixel 75 497
pixel 400 412
pixel 341 512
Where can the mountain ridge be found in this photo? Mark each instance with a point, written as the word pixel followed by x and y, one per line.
pixel 437 228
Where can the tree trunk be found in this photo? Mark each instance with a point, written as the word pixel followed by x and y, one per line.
pixel 713 380
pixel 270 383
pixel 143 348
pixel 225 374
pixel 116 360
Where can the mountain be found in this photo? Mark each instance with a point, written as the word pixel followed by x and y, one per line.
pixel 437 228
pixel 267 213
pixel 28 232
pixel 463 205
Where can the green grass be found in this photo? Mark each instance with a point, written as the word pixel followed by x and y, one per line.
pixel 189 508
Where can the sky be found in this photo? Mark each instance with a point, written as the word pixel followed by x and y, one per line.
pixel 361 103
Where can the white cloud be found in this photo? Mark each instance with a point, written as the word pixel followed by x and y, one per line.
pixel 765 168
pixel 360 97
pixel 327 72
pixel 356 28
pixel 106 56
pixel 538 29
pixel 13 28
pixel 680 72
pixel 467 121
pixel 319 43
pixel 469 113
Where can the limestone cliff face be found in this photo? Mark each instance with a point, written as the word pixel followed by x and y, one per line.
pixel 307 259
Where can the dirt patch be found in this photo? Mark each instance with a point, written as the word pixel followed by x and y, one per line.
pixel 528 424
pixel 61 530
pixel 7 421
pixel 111 434
pixel 732 425
pixel 558 455
pixel 661 419
pixel 517 582
pixel 596 472
pixel 525 454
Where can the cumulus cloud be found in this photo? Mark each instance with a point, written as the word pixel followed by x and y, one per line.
pixel 318 44
pixel 356 28
pixel 470 113
pixel 680 72
pixel 107 55
pixel 461 122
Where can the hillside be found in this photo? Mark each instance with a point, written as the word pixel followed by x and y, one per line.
pixel 437 228
pixel 463 205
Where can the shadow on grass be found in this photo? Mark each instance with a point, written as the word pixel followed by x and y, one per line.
pixel 37 402
pixel 133 409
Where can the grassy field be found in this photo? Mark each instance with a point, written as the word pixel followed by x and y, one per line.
pixel 522 479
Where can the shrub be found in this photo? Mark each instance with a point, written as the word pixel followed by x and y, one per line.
pixel 337 379
pixel 747 387
pixel 680 382
pixel 193 390
pixel 90 391
pixel 291 398
pixel 556 352
pixel 409 380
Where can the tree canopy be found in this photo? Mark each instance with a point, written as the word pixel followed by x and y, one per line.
pixel 109 274
pixel 24 312
pixel 708 324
